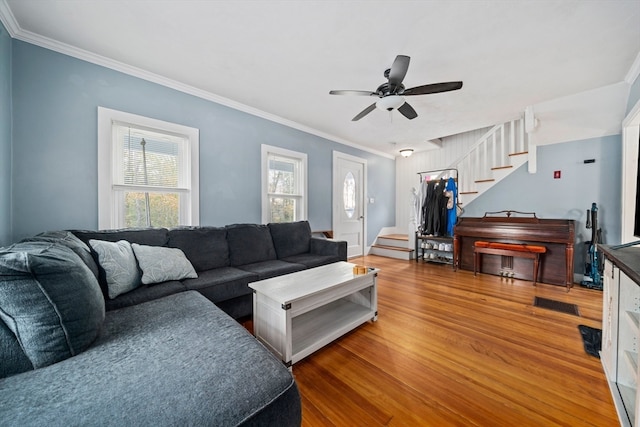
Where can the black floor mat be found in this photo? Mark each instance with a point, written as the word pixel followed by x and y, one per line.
pixel 554 305
pixel 592 340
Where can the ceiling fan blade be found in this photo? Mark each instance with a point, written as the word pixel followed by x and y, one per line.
pixel 352 92
pixel 433 88
pixel 364 112
pixel 398 70
pixel 408 111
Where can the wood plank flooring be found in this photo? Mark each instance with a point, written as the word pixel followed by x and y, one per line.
pixel 451 349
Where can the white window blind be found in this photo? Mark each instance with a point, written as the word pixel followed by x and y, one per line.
pixel 284 185
pixel 152 179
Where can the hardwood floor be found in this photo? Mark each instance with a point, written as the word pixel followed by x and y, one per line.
pixel 451 349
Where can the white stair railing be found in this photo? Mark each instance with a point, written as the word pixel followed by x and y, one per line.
pixel 494 150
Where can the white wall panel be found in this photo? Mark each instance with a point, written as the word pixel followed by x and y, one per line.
pixel 453 147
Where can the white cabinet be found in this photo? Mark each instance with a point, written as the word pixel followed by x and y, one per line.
pixel 621 331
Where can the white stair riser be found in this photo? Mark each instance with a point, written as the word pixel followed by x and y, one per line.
pixel 392 242
pixel 390 253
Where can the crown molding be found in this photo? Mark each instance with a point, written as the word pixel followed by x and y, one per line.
pixel 8 20
pixel 18 33
pixel 634 71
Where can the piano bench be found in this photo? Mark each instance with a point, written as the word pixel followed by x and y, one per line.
pixel 508 249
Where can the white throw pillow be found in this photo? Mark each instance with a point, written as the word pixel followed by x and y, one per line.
pixel 119 264
pixel 159 264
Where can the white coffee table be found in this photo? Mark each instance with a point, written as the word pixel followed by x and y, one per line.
pixel 299 313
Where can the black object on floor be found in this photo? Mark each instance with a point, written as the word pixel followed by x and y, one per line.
pixel 554 305
pixel 592 340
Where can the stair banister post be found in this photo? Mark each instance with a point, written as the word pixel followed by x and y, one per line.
pixel 512 137
pixel 494 149
pixel 502 159
pixel 533 163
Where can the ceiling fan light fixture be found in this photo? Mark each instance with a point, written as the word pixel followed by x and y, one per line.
pixel 390 102
pixel 406 152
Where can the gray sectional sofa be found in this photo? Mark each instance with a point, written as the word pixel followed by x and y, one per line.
pixel 226 259
pixel 87 340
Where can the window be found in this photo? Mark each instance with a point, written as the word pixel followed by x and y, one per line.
pixel 147 172
pixel 284 185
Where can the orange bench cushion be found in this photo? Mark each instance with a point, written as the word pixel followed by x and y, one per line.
pixel 512 247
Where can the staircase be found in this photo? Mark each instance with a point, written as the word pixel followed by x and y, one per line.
pixel 497 154
pixel 392 246
pixel 493 157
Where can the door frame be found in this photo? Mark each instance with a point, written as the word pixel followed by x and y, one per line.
pixel 335 201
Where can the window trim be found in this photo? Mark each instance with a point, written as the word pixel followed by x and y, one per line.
pixel 266 150
pixel 107 214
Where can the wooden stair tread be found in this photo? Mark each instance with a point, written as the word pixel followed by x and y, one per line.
pixel 403 237
pixel 484 180
pixel 468 192
pixel 501 167
pixel 519 153
pixel 393 248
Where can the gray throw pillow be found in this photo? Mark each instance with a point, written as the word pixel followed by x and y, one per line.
pixel 50 301
pixel 119 264
pixel 160 264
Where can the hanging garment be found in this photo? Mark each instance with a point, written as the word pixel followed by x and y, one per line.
pixel 428 208
pixel 414 210
pixel 452 208
pixel 440 222
pixel 421 194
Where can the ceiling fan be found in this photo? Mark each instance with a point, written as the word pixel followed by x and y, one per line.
pixel 392 93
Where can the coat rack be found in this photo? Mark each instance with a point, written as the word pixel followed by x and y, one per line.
pixel 442 173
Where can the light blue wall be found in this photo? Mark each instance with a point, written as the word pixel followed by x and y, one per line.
pixel 570 196
pixel 55 149
pixel 5 136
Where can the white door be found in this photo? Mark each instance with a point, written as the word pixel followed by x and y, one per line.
pixel 349 208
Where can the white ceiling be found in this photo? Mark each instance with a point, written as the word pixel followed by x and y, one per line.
pixel 283 57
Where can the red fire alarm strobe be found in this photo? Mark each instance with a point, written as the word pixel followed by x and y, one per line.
pixel 556 174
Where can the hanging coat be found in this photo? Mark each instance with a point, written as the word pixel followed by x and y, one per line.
pixel 452 214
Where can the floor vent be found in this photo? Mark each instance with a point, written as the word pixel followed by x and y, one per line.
pixel 554 305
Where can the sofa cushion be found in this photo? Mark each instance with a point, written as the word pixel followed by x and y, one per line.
pixel 50 300
pixel 159 264
pixel 291 238
pixel 144 293
pixel 13 358
pixel 221 284
pixel 173 362
pixel 119 265
pixel 70 240
pixel 312 260
pixel 205 247
pixel 273 268
pixel 249 243
pixel 141 236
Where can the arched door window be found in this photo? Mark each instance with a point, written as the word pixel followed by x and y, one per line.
pixel 349 194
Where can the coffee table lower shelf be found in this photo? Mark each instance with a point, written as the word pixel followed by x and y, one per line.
pixel 317 328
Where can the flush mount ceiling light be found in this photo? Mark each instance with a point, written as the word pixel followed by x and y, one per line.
pixel 406 152
pixel 391 102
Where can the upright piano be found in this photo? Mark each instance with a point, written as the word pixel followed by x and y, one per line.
pixel 557 235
